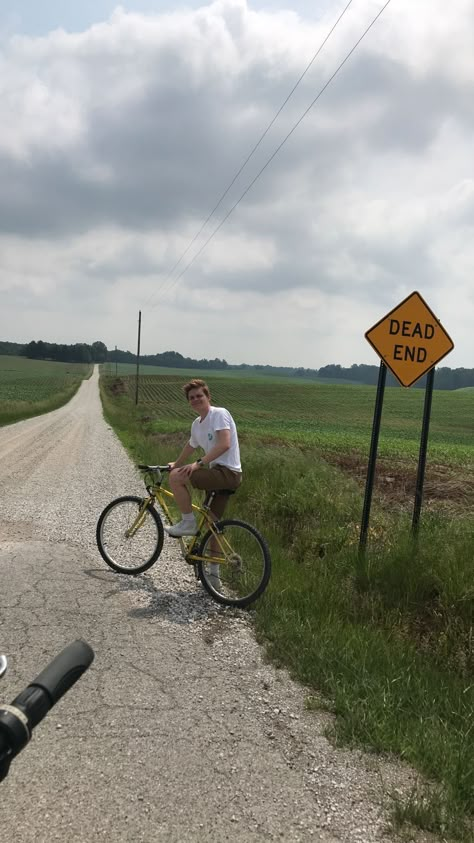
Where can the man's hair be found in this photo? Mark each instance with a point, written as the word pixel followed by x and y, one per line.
pixel 197 383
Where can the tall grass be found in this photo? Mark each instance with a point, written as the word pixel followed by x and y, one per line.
pixel 387 638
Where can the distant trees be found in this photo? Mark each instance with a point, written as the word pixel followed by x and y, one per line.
pixel 445 378
pixel 11 348
pixel 454 378
pixel 99 352
pixel 169 359
pixel 357 373
pixel 363 373
pixel 77 353
pixel 175 360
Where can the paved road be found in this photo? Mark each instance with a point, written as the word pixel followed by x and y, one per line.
pixel 179 731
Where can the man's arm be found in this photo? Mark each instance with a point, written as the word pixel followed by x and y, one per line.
pixel 184 455
pixel 222 445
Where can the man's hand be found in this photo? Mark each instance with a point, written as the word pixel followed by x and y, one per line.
pixel 185 471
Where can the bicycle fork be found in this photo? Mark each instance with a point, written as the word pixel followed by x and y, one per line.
pixel 139 519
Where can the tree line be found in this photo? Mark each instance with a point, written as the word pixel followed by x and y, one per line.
pixel 80 352
pixel 169 359
pixel 445 378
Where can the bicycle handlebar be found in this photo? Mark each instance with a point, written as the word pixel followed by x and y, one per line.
pixel 30 706
pixel 155 467
pixel 64 671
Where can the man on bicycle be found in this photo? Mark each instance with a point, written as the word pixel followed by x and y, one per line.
pixel 215 432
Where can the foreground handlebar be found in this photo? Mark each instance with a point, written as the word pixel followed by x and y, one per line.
pixel 30 706
pixel 64 670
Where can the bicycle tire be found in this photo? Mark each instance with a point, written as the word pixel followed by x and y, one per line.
pixel 111 540
pixel 242 578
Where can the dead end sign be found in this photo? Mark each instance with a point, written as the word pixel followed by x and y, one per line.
pixel 410 339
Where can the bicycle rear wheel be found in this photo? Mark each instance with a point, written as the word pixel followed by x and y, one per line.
pixel 238 564
pixel 129 538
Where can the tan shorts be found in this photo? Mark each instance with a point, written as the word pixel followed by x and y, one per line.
pixel 213 479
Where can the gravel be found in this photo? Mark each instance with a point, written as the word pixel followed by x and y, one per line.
pixel 180 730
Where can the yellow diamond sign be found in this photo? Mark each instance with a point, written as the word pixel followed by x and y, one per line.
pixel 410 339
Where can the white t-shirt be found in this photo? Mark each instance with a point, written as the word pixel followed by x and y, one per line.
pixel 203 435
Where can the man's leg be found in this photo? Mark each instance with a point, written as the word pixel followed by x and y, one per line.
pixel 180 490
pixel 187 526
pixel 217 510
pixel 215 480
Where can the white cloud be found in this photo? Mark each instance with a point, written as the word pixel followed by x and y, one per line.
pixel 117 141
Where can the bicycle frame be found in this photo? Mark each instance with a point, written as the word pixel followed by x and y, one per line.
pixel 157 493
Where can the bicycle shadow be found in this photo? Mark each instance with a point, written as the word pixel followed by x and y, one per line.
pixel 182 607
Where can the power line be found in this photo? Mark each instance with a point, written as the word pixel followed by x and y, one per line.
pixel 247 189
pixel 251 153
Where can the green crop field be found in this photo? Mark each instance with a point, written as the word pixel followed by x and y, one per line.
pixel 335 417
pixel 31 387
pixel 211 374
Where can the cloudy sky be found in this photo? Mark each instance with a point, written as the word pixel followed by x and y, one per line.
pixel 122 126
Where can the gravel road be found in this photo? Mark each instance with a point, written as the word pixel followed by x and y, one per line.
pixel 179 731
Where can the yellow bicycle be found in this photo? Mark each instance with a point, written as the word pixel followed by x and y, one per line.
pixel 230 557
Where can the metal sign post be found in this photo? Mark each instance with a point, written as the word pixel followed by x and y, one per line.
pixel 374 442
pixel 420 478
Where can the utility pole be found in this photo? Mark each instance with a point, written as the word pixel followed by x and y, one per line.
pixel 138 353
pixel 115 361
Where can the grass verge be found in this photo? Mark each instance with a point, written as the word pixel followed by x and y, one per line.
pixel 388 639
pixel 14 411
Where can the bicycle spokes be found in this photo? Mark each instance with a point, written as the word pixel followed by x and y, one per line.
pixel 234 563
pixel 129 535
pixel 137 523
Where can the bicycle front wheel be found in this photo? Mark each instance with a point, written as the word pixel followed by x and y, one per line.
pixel 237 564
pixel 129 535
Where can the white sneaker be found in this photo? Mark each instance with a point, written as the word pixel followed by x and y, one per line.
pixel 182 528
pixel 215 582
pixel 213 578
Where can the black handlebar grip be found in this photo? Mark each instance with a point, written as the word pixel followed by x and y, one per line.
pixel 64 670
pixel 30 706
